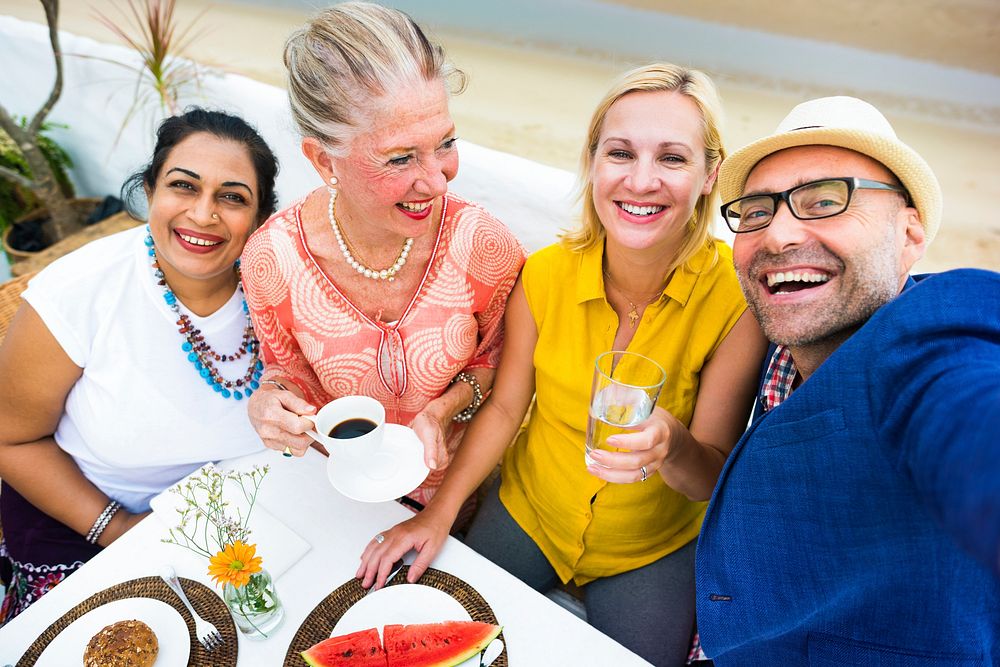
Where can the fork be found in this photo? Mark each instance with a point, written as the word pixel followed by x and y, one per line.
pixel 208 635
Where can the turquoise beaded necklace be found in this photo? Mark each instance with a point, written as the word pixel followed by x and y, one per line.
pixel 200 353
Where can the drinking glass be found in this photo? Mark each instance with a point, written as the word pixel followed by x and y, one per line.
pixel 624 392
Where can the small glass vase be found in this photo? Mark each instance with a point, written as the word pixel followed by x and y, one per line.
pixel 255 606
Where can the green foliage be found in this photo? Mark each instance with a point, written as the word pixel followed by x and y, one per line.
pixel 58 159
pixel 16 200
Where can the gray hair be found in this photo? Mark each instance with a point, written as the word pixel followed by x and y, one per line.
pixel 344 64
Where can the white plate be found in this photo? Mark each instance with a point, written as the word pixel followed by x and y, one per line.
pixel 404 604
pixel 394 470
pixel 171 632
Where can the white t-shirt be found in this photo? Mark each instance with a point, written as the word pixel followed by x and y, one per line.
pixel 141 417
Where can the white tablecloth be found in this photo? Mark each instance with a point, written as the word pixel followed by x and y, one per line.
pixel 296 492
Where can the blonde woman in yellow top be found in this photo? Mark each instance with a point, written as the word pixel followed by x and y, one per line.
pixel 643 274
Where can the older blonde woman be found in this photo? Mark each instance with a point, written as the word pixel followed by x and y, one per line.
pixel 382 283
pixel 642 273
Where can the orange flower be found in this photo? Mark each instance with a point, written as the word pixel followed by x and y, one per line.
pixel 234 564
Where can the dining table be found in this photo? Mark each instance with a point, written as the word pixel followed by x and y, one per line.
pixel 332 531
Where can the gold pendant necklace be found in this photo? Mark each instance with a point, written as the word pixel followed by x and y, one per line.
pixel 633 309
pixel 633 313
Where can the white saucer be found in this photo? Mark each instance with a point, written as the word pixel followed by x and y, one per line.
pixel 171 633
pixel 393 470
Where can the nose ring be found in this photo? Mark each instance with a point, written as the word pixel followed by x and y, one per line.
pixel 215 216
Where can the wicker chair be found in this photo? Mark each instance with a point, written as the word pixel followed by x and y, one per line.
pixel 10 301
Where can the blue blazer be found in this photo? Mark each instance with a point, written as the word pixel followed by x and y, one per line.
pixel 858 523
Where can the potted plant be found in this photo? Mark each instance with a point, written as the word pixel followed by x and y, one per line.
pixel 149 28
pixel 37 176
pixel 18 204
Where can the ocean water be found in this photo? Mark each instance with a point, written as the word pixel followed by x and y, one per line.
pixel 735 56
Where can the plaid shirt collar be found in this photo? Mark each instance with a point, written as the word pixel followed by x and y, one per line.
pixel 778 379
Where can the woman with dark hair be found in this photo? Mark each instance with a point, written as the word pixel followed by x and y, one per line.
pixel 132 356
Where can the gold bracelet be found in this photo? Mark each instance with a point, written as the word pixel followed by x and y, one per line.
pixel 477 397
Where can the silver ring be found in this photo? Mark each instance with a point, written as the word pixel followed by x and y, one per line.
pixel 642 470
pixel 379 539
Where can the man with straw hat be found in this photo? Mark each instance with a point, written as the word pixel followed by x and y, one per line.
pixel 857 522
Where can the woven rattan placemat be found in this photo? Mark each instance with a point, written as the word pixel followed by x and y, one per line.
pixel 204 600
pixel 321 620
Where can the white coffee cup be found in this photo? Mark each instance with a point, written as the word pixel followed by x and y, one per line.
pixel 351 429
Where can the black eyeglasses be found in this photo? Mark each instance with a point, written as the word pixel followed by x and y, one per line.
pixel 809 201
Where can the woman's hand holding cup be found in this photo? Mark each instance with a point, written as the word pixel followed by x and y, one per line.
pixel 278 416
pixel 639 454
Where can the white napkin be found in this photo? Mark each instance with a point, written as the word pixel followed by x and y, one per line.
pixel 277 544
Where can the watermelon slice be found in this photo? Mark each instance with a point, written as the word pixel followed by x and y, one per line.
pixel 436 644
pixel 358 649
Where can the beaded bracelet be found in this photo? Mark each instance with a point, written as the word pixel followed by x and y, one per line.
pixel 103 519
pixel 477 397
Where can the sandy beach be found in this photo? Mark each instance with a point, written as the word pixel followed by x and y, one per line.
pixel 534 101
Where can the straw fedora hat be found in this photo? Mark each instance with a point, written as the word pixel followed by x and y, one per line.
pixel 850 123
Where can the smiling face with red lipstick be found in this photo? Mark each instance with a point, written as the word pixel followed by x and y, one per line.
pixel 649 170
pixel 202 208
pixel 392 177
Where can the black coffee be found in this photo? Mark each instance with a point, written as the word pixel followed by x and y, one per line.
pixel 352 428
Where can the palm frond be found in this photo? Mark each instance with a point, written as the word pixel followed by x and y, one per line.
pixel 149 28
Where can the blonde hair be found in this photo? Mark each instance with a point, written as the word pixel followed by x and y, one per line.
pixel 346 62
pixel 652 78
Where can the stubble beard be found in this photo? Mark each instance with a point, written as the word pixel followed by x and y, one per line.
pixel 865 283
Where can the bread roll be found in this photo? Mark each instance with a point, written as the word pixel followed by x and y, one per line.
pixel 122 644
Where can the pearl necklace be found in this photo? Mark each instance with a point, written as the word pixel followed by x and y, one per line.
pixel 375 274
pixel 200 353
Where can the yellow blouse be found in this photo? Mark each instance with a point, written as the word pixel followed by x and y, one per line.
pixel 586 527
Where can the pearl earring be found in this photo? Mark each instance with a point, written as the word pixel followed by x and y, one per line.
pixel 333 188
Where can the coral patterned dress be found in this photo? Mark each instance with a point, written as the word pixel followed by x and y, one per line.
pixel 310 332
